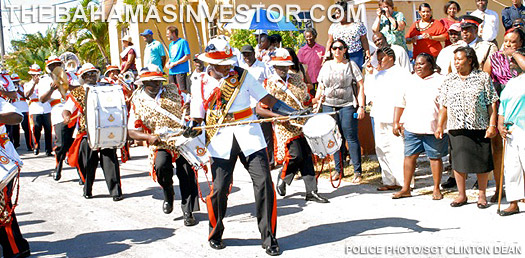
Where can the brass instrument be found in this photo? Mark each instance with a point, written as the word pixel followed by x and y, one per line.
pixel 127 79
pixel 59 77
pixel 70 61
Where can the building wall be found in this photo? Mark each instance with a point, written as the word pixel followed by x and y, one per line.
pixel 407 7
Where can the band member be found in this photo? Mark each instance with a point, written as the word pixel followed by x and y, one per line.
pixel 81 155
pixel 36 107
pixel 11 239
pixel 111 76
pixel 48 92
pixel 146 123
pixel 226 90
pixel 8 92
pixel 22 107
pixel 291 147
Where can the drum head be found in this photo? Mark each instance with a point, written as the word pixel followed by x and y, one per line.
pixel 319 125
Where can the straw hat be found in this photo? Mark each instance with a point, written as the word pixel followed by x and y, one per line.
pixel 35 69
pixel 110 68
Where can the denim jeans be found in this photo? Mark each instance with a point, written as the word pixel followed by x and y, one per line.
pixel 358 58
pixel 348 127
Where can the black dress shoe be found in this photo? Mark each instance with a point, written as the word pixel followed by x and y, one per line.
pixel 118 198
pixel 281 186
pixel 88 196
pixel 314 196
pixel 167 207
pixel 450 183
pixel 189 220
pixel 508 213
pixel 22 254
pixel 58 172
pixel 216 244
pixel 36 151
pixel 273 250
pixel 49 153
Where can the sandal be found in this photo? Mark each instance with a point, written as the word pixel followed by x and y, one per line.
pixel 458 204
pixel 388 188
pixel 357 179
pixel 437 197
pixel 483 206
pixel 399 195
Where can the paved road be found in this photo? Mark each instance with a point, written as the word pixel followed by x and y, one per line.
pixel 359 221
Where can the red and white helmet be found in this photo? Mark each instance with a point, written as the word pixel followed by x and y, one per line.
pixel 15 77
pixel 281 57
pixel 35 69
pixel 86 68
pixel 52 60
pixel 218 52
pixel 150 73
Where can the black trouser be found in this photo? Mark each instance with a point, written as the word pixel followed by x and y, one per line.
pixel 265 202
pixel 187 183
pixel 267 130
pixel 300 160
pixel 42 121
pixel 11 238
pixel 63 141
pixel 88 161
pixel 14 132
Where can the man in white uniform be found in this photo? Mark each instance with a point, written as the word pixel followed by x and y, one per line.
pixel 48 92
pixel 21 106
pixel 218 103
pixel 11 239
pixel 37 110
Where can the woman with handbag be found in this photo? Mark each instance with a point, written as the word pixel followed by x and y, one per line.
pixel 341 89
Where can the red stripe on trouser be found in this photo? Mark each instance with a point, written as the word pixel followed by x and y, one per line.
pixel 29 119
pixel 33 138
pixel 211 213
pixel 274 211
pixel 11 238
pixel 8 229
pixel 74 151
pixel 287 155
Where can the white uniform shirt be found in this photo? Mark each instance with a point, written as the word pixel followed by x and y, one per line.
pixel 260 71
pixel 383 89
pixel 483 50
pixel 36 107
pixel 419 97
pixel 249 137
pixel 45 85
pixel 490 25
pixel 21 104
pixel 6 107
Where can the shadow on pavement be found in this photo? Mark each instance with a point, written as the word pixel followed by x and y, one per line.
pixel 334 232
pixel 98 244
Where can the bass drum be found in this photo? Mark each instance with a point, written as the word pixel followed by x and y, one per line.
pixel 322 135
pixel 106 117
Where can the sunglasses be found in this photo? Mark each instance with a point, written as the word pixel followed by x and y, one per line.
pixel 340 48
pixel 518 24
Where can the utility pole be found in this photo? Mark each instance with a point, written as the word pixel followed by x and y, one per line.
pixel 1 35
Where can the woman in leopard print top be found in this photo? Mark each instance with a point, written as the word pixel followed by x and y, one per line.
pixel 468 104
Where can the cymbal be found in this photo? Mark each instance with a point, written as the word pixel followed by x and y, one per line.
pixel 60 78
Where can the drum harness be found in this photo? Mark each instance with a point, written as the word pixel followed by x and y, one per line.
pixel 167 136
pixel 6 212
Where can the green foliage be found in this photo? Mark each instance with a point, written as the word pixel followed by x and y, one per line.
pixel 293 39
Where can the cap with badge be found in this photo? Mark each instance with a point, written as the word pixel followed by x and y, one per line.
pixel 469 21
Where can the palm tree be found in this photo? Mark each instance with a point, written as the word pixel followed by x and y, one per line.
pixel 87 32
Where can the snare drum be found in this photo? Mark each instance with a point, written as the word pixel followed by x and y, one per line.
pixel 322 135
pixel 106 117
pixel 193 150
pixel 8 168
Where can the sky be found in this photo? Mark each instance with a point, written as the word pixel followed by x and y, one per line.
pixel 15 27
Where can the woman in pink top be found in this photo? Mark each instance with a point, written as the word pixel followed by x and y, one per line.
pixel 451 9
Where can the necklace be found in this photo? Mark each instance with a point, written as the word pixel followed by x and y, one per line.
pixel 426 27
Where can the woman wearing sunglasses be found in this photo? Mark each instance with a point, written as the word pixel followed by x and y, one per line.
pixel 336 92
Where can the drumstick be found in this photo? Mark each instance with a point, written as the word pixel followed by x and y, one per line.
pixel 272 119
